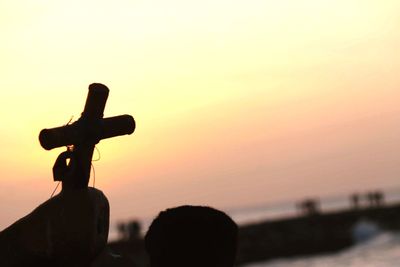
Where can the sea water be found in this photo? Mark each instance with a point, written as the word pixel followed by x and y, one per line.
pixel 383 250
pixel 375 247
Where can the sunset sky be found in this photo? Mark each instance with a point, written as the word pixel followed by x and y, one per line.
pixel 237 103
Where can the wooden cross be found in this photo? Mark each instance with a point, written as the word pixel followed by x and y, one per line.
pixel 81 137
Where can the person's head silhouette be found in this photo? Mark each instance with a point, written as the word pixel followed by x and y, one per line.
pixel 192 236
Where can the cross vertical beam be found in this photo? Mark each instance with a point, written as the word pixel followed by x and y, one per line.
pixel 83 151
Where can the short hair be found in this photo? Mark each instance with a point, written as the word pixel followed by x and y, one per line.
pixel 192 236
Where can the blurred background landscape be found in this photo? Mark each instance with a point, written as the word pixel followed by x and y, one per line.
pixel 239 105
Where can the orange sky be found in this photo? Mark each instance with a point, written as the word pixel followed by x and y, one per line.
pixel 236 102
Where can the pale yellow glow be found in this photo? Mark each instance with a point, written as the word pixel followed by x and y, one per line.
pixel 230 97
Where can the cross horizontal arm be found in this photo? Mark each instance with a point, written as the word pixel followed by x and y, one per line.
pixel 80 132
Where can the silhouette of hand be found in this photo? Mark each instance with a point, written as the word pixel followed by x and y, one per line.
pixel 70 229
